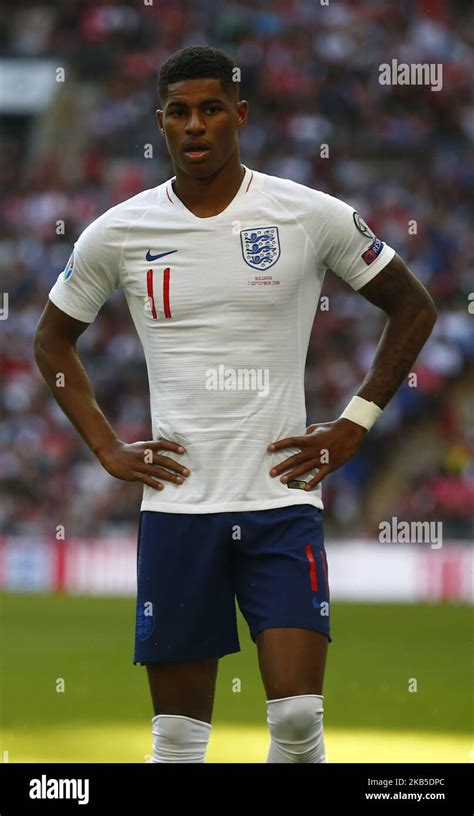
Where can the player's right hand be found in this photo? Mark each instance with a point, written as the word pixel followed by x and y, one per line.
pixel 142 462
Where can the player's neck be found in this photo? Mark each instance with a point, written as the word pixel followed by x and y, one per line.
pixel 209 196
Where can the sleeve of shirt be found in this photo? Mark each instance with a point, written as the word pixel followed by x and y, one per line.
pixel 347 245
pixel 92 273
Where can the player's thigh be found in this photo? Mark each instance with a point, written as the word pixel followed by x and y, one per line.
pixel 282 587
pixel 185 610
pixel 292 661
pixel 185 688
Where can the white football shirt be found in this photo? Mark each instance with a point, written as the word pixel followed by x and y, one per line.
pixel 224 308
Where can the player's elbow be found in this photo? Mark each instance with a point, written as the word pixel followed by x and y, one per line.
pixel 421 319
pixel 427 313
pixel 416 307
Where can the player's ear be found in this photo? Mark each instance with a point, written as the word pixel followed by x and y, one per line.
pixel 242 112
pixel 159 119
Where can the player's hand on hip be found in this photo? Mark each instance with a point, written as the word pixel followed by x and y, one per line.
pixel 326 446
pixel 142 462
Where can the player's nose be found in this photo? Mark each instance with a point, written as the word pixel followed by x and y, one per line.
pixel 194 124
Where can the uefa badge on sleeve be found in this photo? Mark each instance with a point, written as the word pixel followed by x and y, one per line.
pixel 373 251
pixel 69 267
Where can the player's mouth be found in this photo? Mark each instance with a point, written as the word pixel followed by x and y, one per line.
pixel 195 151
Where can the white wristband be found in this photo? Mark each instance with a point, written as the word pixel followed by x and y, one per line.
pixel 362 412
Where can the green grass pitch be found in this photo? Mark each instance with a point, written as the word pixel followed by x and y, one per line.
pixel 104 713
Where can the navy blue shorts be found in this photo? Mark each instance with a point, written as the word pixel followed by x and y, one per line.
pixel 191 567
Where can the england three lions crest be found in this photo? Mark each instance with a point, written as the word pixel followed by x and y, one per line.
pixel 260 246
pixel 145 621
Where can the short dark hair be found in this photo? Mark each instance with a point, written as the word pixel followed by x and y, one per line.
pixel 197 62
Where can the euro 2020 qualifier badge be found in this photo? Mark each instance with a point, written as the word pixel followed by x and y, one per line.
pixel 69 267
pixel 363 228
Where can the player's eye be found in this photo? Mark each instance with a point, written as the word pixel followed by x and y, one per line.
pixel 176 112
pixel 213 109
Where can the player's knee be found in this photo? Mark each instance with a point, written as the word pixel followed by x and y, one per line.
pixel 296 729
pixel 179 739
pixel 293 718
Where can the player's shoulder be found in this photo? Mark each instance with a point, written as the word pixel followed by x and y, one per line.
pixel 131 210
pixel 295 196
pixel 112 227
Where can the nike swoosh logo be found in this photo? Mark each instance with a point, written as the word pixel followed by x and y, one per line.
pixel 151 257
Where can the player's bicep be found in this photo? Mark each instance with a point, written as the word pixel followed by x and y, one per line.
pixel 55 325
pixel 395 288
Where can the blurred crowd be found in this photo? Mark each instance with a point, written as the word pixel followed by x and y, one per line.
pixel 399 154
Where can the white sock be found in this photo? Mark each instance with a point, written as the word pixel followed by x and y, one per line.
pixel 296 729
pixel 179 739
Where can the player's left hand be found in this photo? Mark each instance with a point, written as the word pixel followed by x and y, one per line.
pixel 326 446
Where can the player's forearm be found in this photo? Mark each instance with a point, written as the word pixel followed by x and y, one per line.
pixel 71 388
pixel 403 338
